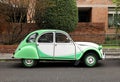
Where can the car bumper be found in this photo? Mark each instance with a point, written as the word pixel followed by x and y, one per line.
pixel 103 56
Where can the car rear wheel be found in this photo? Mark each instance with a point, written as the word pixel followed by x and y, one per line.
pixel 90 59
pixel 29 62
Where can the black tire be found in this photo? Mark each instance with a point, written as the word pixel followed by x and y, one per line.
pixel 29 63
pixel 90 59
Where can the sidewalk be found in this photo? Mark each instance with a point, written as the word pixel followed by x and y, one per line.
pixel 112 52
pixel 6 56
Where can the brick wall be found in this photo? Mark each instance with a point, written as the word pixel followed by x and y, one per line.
pixel 7 48
pixel 90 32
pixel 9 31
pixel 100 15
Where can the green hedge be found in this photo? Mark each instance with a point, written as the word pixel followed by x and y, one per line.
pixel 62 15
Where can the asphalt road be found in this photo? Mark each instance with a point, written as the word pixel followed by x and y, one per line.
pixel 106 71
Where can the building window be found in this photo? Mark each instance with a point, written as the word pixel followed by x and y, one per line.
pixel 110 20
pixel 84 14
pixel 111 16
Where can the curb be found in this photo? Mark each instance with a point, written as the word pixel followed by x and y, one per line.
pixel 8 57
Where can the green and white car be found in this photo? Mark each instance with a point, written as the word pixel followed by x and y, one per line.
pixel 56 45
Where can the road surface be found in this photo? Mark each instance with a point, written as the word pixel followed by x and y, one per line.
pixel 106 71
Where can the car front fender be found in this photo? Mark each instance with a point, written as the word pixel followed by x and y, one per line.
pixel 82 53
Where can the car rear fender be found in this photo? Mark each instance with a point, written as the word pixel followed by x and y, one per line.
pixel 27 52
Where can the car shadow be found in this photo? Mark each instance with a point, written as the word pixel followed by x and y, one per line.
pixel 56 64
pixel 63 64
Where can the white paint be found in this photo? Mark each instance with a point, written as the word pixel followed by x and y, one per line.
pixel 64 49
pixel 87 44
pixel 47 48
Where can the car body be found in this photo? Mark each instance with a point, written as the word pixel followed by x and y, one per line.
pixel 56 45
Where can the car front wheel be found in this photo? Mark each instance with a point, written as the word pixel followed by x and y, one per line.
pixel 90 59
pixel 29 62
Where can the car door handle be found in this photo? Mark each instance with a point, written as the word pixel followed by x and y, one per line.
pixel 55 44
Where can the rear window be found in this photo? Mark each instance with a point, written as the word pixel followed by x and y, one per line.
pixel 32 38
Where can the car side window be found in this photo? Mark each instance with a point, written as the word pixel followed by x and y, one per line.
pixel 32 38
pixel 61 38
pixel 46 38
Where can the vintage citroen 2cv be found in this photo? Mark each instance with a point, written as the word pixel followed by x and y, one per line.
pixel 56 45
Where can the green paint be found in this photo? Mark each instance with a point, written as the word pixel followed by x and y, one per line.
pixel 70 57
pixel 28 51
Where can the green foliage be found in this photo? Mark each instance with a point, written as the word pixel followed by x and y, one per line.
pixel 117 2
pixel 40 8
pixel 62 14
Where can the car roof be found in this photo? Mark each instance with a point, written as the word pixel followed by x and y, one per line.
pixel 47 30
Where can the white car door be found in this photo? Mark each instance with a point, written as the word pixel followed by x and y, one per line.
pixel 64 47
pixel 46 46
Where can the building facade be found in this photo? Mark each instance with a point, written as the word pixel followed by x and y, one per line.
pixel 93 17
pixel 97 11
pixel 90 11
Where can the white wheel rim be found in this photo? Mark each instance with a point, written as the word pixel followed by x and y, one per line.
pixel 29 62
pixel 90 59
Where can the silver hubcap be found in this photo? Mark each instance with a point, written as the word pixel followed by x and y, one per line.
pixel 29 62
pixel 90 60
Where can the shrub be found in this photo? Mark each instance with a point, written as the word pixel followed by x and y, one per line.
pixel 62 14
